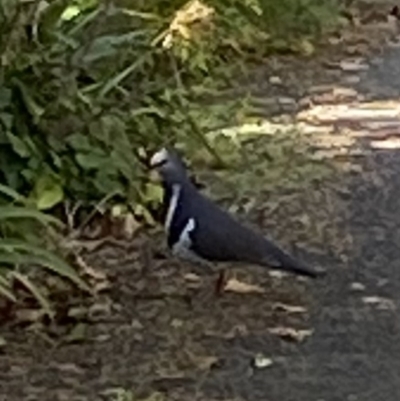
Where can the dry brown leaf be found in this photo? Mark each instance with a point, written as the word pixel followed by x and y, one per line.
pixel 192 277
pixel 131 226
pixel 77 312
pixel 291 334
pixel 353 65
pixel 99 311
pixel 240 287
pixel 194 14
pixel 277 274
pixel 70 368
pixel 29 315
pixel 177 323
pixel 279 306
pixel 89 270
pixel 101 286
pixel 80 244
pixel 205 362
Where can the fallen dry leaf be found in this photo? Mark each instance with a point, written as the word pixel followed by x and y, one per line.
pixel 192 277
pixel 240 287
pixel 353 65
pixel 275 80
pixel 380 302
pixel 291 334
pixel 131 226
pixel 77 312
pixel 89 270
pixel 261 361
pixel 29 315
pixel 99 311
pixel 279 306
pixel 69 368
pixel 357 286
pixel 77 334
pixel 205 362
pixel 177 323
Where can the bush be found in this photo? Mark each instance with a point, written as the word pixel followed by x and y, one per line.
pixel 82 96
pixel 89 86
pixel 23 251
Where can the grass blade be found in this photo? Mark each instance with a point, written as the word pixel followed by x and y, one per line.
pixel 34 290
pixel 20 212
pixel 5 287
pixel 46 260
pixel 112 83
pixel 6 190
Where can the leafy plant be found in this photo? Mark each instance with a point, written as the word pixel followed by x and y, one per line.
pixel 79 100
pixel 21 253
pixel 88 86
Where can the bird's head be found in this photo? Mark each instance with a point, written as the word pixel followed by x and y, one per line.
pixel 170 166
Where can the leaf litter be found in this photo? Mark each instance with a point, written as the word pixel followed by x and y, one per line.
pixel 291 334
pixel 240 287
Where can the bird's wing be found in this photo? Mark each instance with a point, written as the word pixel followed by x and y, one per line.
pixel 219 237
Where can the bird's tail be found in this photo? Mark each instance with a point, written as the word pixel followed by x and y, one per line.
pixel 287 263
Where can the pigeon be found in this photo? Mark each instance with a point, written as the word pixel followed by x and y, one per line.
pixel 201 232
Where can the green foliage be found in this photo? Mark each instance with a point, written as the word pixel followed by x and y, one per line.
pixel 84 90
pixel 88 86
pixel 269 26
pixel 22 253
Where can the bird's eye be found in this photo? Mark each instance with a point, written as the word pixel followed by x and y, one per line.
pixel 159 163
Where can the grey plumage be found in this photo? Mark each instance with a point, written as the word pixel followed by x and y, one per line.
pixel 199 230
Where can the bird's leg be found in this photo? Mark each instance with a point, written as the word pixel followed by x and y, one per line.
pixel 220 283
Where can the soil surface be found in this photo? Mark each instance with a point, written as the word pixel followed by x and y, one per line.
pixel 145 339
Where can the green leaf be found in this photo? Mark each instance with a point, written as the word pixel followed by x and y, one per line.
pixel 14 195
pixel 47 260
pixel 85 21
pixel 7 119
pixel 114 82
pixel 33 107
pixel 21 212
pixel 108 183
pixel 19 146
pixel 153 193
pixel 48 193
pixel 107 45
pixel 50 16
pixel 5 97
pixel 91 160
pixel 79 142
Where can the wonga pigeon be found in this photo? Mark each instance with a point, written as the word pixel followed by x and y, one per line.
pixel 200 231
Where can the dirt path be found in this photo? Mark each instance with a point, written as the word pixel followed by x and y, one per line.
pixel 166 349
